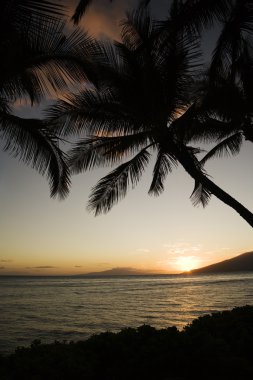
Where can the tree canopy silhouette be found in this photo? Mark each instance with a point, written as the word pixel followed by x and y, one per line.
pixel 228 86
pixel 147 94
pixel 145 101
pixel 38 59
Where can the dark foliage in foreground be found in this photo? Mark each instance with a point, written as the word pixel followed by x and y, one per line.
pixel 217 346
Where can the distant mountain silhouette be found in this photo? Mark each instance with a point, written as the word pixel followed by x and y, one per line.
pixel 125 271
pixel 241 263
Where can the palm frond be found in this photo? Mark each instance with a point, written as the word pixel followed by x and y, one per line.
pixel 224 101
pixel 99 113
pixel 47 60
pixel 113 62
pixel 193 17
pixel 198 15
pixel 177 60
pixel 248 132
pixel 105 150
pixel 163 165
pixel 227 147
pixel 182 126
pixel 200 194
pixel 80 10
pixel 136 29
pixel 16 14
pixel 231 42
pixel 34 144
pixel 145 3
pixel 90 112
pixel 114 186
pixel 186 156
pixel 245 68
pixel 39 6
pixel 202 128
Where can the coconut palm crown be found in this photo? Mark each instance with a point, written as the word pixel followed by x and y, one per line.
pixel 144 95
pixel 38 59
pixel 226 109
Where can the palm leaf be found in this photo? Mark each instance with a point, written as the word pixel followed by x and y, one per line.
pixel 144 3
pixel 113 62
pixel 100 113
pixel 200 194
pixel 17 13
pixel 245 68
pixel 176 57
pixel 114 186
pixel 163 165
pixel 194 16
pixel 91 112
pixel 100 151
pixel 248 132
pixel 47 60
pixel 227 147
pixel 231 42
pixel 136 29
pixel 80 10
pixel 201 128
pixel 186 155
pixel 224 101
pixel 31 142
pixel 39 6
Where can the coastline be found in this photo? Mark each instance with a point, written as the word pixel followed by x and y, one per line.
pixel 213 346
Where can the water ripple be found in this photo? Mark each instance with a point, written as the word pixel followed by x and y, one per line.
pixel 75 308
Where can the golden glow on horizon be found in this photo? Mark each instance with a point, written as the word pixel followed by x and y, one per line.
pixel 186 264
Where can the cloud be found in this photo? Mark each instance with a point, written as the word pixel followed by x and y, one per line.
pixel 5 261
pixel 78 266
pixel 1 268
pixel 181 248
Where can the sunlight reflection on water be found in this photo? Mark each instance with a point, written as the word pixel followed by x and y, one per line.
pixel 67 308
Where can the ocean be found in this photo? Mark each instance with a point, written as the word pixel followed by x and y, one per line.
pixel 71 308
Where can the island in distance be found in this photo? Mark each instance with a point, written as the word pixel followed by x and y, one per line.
pixel 121 271
pixel 241 263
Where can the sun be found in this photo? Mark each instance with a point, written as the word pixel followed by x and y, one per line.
pixel 187 263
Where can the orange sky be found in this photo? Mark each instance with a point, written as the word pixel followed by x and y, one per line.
pixel 167 234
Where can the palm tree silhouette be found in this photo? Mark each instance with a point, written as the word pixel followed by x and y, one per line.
pixel 228 94
pixel 146 83
pixel 225 110
pixel 195 14
pixel 38 59
pixel 81 8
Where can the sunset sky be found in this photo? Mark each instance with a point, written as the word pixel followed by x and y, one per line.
pixel 40 235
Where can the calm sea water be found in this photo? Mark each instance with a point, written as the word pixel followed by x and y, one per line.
pixel 64 308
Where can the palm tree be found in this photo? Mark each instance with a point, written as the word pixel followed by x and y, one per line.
pixel 83 5
pixel 80 10
pixel 38 59
pixel 143 98
pixel 225 111
pixel 196 15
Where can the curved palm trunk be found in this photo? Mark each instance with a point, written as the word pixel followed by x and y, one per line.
pixel 187 162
